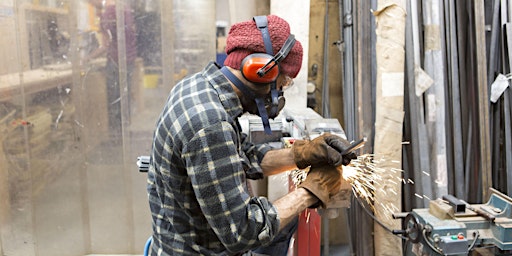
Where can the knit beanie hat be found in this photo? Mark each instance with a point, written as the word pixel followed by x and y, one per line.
pixel 244 38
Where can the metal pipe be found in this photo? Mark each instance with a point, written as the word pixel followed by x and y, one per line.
pixel 435 66
pixel 455 101
pixel 418 133
pixel 347 58
pixel 326 109
pixel 507 98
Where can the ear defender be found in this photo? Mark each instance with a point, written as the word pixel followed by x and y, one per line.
pixel 263 68
pixel 252 64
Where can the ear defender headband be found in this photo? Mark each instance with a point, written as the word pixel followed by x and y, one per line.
pixel 263 68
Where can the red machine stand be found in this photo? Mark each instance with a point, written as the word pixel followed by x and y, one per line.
pixel 307 242
pixel 308 235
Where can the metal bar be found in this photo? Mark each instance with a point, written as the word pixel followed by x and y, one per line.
pixel 424 147
pixel 495 128
pixel 483 99
pixel 326 108
pixel 325 234
pixel 365 80
pixel 349 237
pixel 456 135
pixel 495 31
pixel 422 138
pixel 412 101
pixel 508 140
pixel 464 45
pixel 495 109
pixel 348 66
pixel 475 157
pixel 435 66
pixel 448 90
pixel 457 205
pixel 507 97
pixel 354 146
pixel 468 159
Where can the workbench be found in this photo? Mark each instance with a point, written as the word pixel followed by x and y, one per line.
pixel 33 81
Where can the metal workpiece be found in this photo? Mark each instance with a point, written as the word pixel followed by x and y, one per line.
pixel 338 201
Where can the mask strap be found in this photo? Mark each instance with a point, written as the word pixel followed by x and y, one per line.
pixel 275 99
pixel 260 102
pixel 263 114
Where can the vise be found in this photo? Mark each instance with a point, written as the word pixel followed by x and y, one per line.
pixel 450 226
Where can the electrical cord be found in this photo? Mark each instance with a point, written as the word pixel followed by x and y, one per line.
pixel 378 221
pixel 476 235
pixel 427 240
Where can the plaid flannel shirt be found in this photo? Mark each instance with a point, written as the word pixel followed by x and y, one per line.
pixel 200 160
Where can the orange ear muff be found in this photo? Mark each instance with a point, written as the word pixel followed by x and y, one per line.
pixel 254 62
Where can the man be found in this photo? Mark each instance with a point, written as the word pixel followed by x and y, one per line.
pixel 201 160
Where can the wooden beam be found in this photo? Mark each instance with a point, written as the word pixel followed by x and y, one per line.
pixel 389 120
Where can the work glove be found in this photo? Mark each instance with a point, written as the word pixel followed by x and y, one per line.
pixel 323 150
pixel 323 182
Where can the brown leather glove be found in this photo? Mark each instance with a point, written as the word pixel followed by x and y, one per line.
pixel 323 182
pixel 323 150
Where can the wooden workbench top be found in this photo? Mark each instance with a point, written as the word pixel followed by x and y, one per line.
pixel 37 80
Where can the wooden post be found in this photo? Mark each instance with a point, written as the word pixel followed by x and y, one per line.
pixel 390 45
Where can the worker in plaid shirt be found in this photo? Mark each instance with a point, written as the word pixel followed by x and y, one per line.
pixel 200 161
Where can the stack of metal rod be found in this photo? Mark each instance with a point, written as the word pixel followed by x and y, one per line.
pixel 456 140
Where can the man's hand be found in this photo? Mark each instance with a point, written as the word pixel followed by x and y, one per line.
pixel 324 150
pixel 323 182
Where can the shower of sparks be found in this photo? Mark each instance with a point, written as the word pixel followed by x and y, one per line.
pixel 362 175
pixel 367 179
pixel 298 176
pixel 365 176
